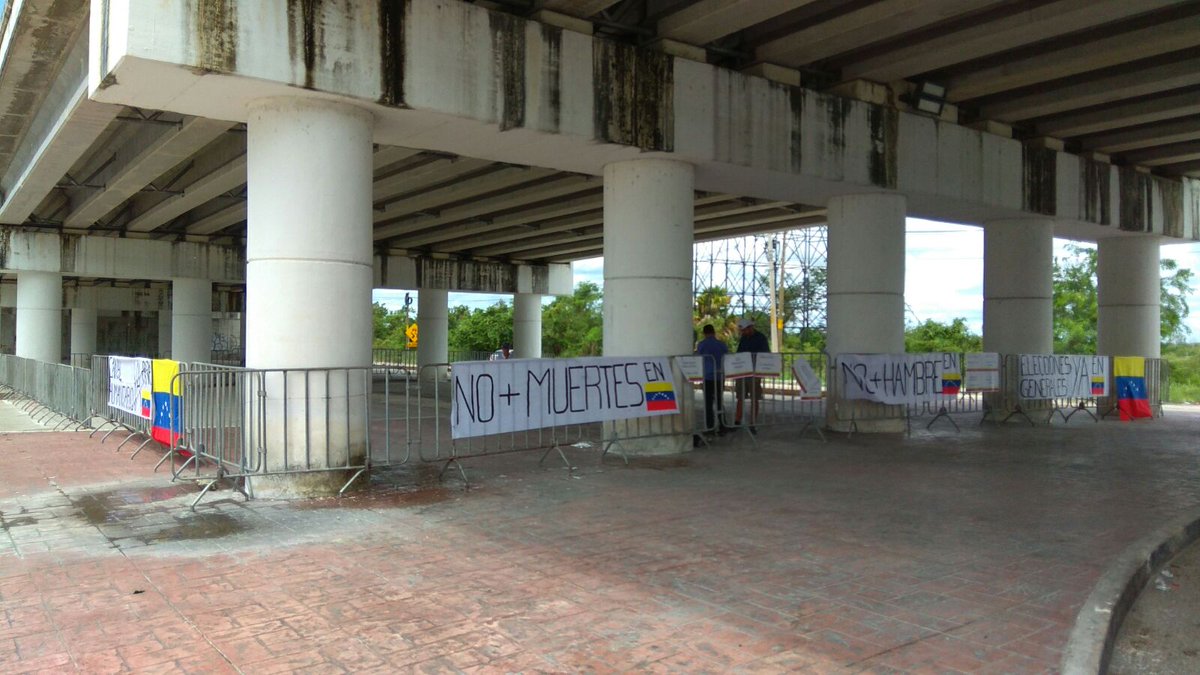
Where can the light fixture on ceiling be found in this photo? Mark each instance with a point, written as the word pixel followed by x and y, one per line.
pixel 928 97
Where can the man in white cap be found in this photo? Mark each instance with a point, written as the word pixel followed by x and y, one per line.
pixel 749 387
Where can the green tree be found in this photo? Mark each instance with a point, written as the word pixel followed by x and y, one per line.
pixel 933 336
pixel 482 330
pixel 573 325
pixel 389 326
pixel 1075 303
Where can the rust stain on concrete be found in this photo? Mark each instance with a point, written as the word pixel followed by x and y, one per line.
pixel 1094 197
pixel 1039 187
pixel 1172 201
pixel 306 36
pixel 508 57
pixel 392 15
pixel 884 125
pixel 551 67
pixel 68 252
pixel 216 35
pixel 634 93
pixel 1136 205
pixel 796 139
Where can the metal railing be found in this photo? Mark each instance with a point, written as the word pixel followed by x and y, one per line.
pixel 49 389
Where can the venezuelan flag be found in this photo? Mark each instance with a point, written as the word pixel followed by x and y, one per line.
pixel 147 406
pixel 951 384
pixel 1098 386
pixel 660 396
pixel 1129 374
pixel 167 421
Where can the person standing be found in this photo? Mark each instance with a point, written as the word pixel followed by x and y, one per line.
pixel 713 351
pixel 749 387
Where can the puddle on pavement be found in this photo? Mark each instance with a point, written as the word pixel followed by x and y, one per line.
pixel 660 463
pixel 109 506
pixel 20 521
pixel 394 487
pixel 195 526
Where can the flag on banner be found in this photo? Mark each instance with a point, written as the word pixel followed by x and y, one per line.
pixel 660 396
pixel 1129 373
pixel 1098 386
pixel 167 410
pixel 147 404
pixel 951 383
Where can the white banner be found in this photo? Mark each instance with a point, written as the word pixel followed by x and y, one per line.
pixel 1046 376
pixel 898 378
pixel 983 371
pixel 983 361
pixel 129 381
pixel 495 397
pixel 692 367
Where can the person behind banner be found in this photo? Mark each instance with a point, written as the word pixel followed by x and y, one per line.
pixel 749 387
pixel 713 351
pixel 502 354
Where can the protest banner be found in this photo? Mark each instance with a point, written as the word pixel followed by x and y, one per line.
pixel 1049 376
pixel 129 381
pixel 492 397
pixel 982 371
pixel 897 379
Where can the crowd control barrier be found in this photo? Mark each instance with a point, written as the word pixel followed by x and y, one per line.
pixel 47 390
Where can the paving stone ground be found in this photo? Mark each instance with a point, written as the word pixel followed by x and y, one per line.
pixel 942 552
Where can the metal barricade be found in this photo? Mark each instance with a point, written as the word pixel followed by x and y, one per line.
pixel 49 390
pixel 844 414
pixel 251 423
pixel 779 400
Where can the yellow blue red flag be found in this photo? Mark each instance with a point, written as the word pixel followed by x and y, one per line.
pixel 1129 375
pixel 167 422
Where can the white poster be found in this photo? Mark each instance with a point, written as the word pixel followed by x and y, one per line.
pixel 692 367
pixel 898 378
pixel 1047 376
pixel 810 384
pixel 768 364
pixel 739 365
pixel 983 361
pixel 494 397
pixel 982 380
pixel 129 381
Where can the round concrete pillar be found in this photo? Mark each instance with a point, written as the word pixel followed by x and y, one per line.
pixel 433 330
pixel 865 309
pixel 191 320
pixel 164 333
pixel 648 235
pixel 1018 286
pixel 39 316
pixel 527 325
pixel 83 330
pixel 1128 297
pixel 308 287
pixel 866 274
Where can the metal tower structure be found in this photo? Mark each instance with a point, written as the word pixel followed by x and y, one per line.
pixel 789 266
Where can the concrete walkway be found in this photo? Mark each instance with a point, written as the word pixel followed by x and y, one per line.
pixel 942 552
pixel 1159 637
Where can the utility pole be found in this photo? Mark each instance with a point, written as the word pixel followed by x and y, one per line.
pixel 772 249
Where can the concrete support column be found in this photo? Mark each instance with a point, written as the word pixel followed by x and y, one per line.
pixel 308 288
pixel 433 330
pixel 1018 286
pixel 191 320
pixel 83 330
pixel 1129 294
pixel 527 325
pixel 8 330
pixel 164 333
pixel 39 316
pixel 866 290
pixel 648 234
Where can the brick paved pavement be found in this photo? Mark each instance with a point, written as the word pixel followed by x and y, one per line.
pixel 944 552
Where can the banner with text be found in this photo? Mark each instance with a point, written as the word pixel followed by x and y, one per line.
pixel 898 378
pixel 129 380
pixel 494 397
pixel 1047 376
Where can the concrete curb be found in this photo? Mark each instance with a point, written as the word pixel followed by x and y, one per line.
pixel 1096 625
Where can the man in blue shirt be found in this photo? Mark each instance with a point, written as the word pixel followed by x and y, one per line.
pixel 749 387
pixel 713 351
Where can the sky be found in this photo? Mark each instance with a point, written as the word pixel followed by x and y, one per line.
pixel 943 275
